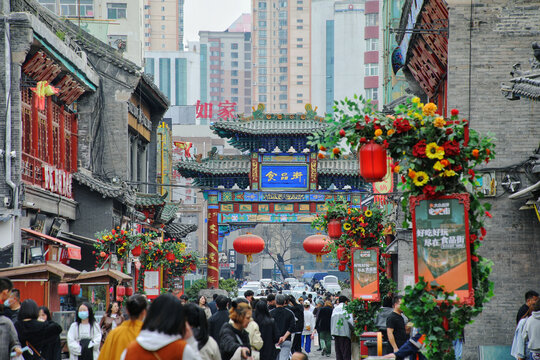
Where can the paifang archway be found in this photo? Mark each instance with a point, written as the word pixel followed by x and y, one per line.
pixel 283 179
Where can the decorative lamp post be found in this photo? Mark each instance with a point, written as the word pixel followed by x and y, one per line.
pixel 372 158
pixel 317 245
pixel 248 245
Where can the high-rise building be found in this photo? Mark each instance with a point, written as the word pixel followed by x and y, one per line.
pixel 226 74
pixel 345 51
pixel 119 24
pixel 281 54
pixel 163 25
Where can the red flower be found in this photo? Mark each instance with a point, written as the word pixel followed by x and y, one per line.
pixel 471 172
pixel 475 258
pixel 359 126
pixel 488 214
pixel 449 131
pixel 454 112
pixel 403 180
pixel 113 231
pixel 451 148
pixel 483 231
pixel 363 140
pixel 385 144
pixel 402 125
pixel 419 149
pixel 367 119
pixel 473 237
pixel 342 133
pixel 429 191
pixel 457 168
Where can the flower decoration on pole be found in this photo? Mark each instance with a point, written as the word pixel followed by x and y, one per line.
pixel 317 245
pixel 248 245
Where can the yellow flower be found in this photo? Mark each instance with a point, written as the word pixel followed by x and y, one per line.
pixel 412 173
pixel 429 109
pixel 378 132
pixel 434 151
pixel 449 173
pixel 415 100
pixel 438 166
pixel 439 122
pixel 409 113
pixel 368 213
pixel 418 116
pixel 397 168
pixel 390 132
pixel 420 179
pixel 347 226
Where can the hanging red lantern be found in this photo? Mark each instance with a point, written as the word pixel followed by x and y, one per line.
pixel 334 228
pixel 63 289
pixel 342 267
pixel 120 290
pixel 170 256
pixel 317 245
pixel 248 245
pixel 136 251
pixel 341 253
pixel 75 289
pixel 372 158
pixel 192 266
pixel 129 291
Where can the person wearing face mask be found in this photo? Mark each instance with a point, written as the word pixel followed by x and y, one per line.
pixel 112 318
pixel 53 349
pixel 9 341
pixel 84 335
pixel 34 333
pixel 12 305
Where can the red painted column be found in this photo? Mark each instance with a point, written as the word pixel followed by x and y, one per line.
pixel 35 126
pixel 212 277
pixel 62 140
pixel 50 157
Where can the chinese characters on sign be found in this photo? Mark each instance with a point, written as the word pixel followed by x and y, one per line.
pixel 226 110
pixel 57 180
pixel 440 233
pixel 365 277
pixel 284 177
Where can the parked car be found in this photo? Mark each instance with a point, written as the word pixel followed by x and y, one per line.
pixel 330 283
pixel 265 282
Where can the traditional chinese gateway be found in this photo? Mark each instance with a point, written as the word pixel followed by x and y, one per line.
pixel 278 179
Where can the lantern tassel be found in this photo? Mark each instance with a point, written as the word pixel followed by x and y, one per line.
pixel 249 258
pixel 318 258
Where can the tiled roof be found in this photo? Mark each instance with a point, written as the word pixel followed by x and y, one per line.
pixel 215 166
pixel 146 200
pixel 525 83
pixel 168 212
pixel 346 166
pixel 122 192
pixel 178 231
pixel 257 127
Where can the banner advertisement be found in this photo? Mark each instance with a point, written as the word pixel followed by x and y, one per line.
pixel 441 238
pixel 365 274
pixel 152 283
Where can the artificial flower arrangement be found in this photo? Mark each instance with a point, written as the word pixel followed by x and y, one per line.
pixel 432 156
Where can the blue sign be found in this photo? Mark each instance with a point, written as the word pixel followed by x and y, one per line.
pixel 283 177
pixel 288 268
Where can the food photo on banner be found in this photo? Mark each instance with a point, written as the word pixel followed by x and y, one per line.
pixel 440 234
pixel 365 277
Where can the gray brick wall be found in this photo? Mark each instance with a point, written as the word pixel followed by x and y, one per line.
pixel 501 36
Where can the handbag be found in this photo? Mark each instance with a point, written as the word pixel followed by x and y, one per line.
pixel 36 353
pixel 86 352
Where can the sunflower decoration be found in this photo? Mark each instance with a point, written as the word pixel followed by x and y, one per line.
pixel 434 151
pixel 368 213
pixel 420 179
pixel 347 226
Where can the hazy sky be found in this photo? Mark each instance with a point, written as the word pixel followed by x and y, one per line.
pixel 213 15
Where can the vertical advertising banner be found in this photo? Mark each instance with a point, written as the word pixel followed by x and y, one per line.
pixel 152 283
pixel 365 274
pixel 441 238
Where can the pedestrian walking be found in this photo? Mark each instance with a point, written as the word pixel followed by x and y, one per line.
pixel 119 338
pixel 164 334
pixel 286 325
pixel 12 305
pixel 221 317
pixel 395 325
pixel 269 331
pixel 112 318
pixel 84 335
pixel 212 304
pixel 323 326
pixel 9 341
pixel 531 297
pixel 202 301
pixel 207 346
pixel 34 333
pixel 316 310
pixel 255 339
pixel 53 349
pixel 341 327
pixel 233 338
pixel 298 312
pixel 309 327
pixel 519 346
pixel 531 332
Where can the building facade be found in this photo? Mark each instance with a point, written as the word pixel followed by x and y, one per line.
pixel 163 25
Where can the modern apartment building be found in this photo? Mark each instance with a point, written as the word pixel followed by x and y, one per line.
pixel 281 54
pixel 345 51
pixel 226 70
pixel 163 25
pixel 114 22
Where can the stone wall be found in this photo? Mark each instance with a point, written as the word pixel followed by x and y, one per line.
pixel 479 61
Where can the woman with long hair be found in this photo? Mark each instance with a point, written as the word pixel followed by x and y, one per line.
pixel 53 349
pixel 112 318
pixel 84 335
pixel 196 318
pixel 164 334
pixel 34 333
pixel 233 338
pixel 269 331
pixel 203 304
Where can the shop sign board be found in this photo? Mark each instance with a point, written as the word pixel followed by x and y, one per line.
pixel 152 283
pixel 57 180
pixel 284 177
pixel 365 274
pixel 441 237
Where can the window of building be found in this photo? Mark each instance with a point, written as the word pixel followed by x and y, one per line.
pixel 262 79
pixel 71 8
pixel 282 51
pixel 283 34
pixel 146 7
pixel 300 21
pixel 282 78
pixel 234 99
pixel 262 33
pixel 234 72
pixel 146 25
pixel 222 54
pixel 162 27
pixel 283 60
pixel 299 8
pixel 146 44
pixel 262 14
pixel 234 46
pixel 371 69
pixel 372 94
pixel 262 5
pixel 299 95
pixel 262 99
pixel 49 4
pixel 147 16
pixel 372 19
pixel 234 55
pixel 214 44
pixel 262 71
pixel 283 22
pixel 234 81
pixel 282 96
pixel 283 69
pixel 163 18
pixel 262 23
pixel 282 87
pixel 262 61
pixel 299 76
pixel 300 27
pixel 262 89
pixel 372 44
pixel 163 8
pixel 300 64
pixel 234 63
pixel 118 42
pixel 283 14
pixel 261 52
pixel 262 42
pixel 283 4
pixel 299 101
pixel 283 106
pixel 299 39
pixel 234 91
pixel 299 83
pixel 299 46
pixel 282 41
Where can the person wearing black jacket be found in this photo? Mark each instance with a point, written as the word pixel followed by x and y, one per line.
pixel 34 333
pixel 286 326
pixel 323 325
pixel 53 349
pixel 298 312
pixel 233 338
pixel 269 331
pixel 221 317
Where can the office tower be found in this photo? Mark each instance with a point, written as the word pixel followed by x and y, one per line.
pixel 164 25
pixel 281 54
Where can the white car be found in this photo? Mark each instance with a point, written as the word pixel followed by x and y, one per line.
pixel 331 284
pixel 253 286
pixel 265 282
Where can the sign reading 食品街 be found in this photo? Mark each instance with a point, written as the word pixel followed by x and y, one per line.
pixel 441 238
pixel 284 177
pixel 365 277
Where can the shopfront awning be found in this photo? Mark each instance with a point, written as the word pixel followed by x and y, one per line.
pixel 74 251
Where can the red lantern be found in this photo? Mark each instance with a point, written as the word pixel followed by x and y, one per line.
pixel 341 253
pixel 334 228
pixel 248 245
pixel 372 158
pixel 192 266
pixel 120 290
pixel 136 251
pixel 129 291
pixel 75 289
pixel 63 289
pixel 342 267
pixel 170 256
pixel 317 245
